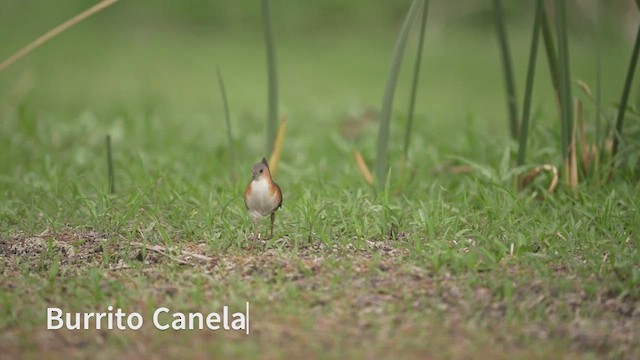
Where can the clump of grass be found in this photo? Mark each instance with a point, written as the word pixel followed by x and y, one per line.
pixel 560 71
pixel 580 158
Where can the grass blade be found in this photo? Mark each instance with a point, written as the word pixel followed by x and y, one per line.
pixel 274 159
pixel 573 154
pixel 507 67
pixel 272 114
pixel 382 165
pixel 227 118
pixel 56 31
pixel 587 152
pixel 112 178
pixel 531 70
pixel 362 166
pixel 416 76
pixel 625 95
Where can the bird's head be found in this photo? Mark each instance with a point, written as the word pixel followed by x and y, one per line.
pixel 260 169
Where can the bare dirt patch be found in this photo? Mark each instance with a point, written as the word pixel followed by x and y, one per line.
pixel 71 247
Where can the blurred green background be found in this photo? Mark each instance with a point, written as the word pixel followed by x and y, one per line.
pixel 158 59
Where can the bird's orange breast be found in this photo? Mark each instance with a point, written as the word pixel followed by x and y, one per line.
pixel 262 197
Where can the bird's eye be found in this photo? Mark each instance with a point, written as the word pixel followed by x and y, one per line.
pixel 261 170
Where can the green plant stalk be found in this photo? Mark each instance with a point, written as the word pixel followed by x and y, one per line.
pixel 625 95
pixel 112 179
pixel 272 114
pixel 507 67
pixel 598 48
pixel 531 70
pixel 566 113
pixel 550 50
pixel 227 118
pixel 389 90
pixel 416 76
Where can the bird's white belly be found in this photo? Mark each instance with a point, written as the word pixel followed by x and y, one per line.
pixel 261 202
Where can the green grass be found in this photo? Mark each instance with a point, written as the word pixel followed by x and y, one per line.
pixel 442 265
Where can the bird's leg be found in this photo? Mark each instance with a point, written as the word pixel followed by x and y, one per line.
pixel 255 229
pixel 273 218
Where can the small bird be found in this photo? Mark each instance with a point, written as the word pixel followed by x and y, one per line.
pixel 262 196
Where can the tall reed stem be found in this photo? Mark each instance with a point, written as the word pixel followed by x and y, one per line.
pixel 564 72
pixel 624 100
pixel 531 70
pixel 509 82
pixel 382 165
pixel 227 118
pixel 416 77
pixel 112 177
pixel 272 113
